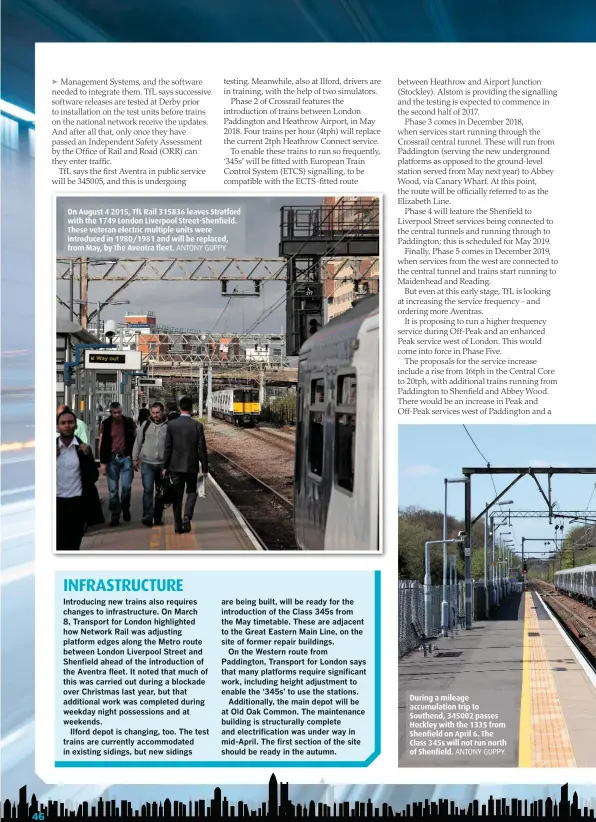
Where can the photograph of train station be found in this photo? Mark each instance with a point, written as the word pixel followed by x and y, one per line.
pixel 224 399
pixel 497 596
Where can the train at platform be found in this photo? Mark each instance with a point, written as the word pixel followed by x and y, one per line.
pixel 238 406
pixel 578 583
pixel 337 461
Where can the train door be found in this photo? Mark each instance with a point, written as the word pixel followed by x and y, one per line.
pixel 317 461
pixel 237 405
pixel 256 405
pixel 353 515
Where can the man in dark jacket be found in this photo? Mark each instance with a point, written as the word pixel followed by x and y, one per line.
pixel 185 454
pixel 147 456
pixel 116 441
pixel 77 500
pixel 172 410
pixel 143 414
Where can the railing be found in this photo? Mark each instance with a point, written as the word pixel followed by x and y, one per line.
pixel 411 611
pixel 411 608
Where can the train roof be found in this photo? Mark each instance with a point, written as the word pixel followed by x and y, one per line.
pixel 363 308
pixel 577 568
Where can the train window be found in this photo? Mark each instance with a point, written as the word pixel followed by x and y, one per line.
pixel 315 443
pixel 346 390
pixel 345 432
pixel 317 391
pixel 316 426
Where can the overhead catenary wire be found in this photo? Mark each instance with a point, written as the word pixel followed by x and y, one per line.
pixel 215 324
pixel 476 447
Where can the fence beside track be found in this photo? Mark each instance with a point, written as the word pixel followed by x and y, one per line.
pixel 411 608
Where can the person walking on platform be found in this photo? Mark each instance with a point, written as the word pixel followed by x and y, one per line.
pixel 172 409
pixel 81 431
pixel 116 441
pixel 143 414
pixel 77 500
pixel 185 454
pixel 148 451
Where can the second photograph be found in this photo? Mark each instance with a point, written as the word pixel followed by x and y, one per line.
pixel 497 596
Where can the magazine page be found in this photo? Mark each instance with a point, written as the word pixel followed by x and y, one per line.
pixel 222 610
pixel 313 501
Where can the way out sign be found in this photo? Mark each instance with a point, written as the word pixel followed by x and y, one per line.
pixel 112 360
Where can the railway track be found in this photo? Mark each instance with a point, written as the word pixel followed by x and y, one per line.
pixel 281 441
pixel 578 620
pixel 269 513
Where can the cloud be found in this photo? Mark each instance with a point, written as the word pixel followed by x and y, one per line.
pixel 420 471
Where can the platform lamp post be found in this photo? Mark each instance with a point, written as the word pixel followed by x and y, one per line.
pixel 486 531
pixel 495 568
pixel 101 304
pixel 506 561
pixel 83 263
pixel 427 579
pixel 444 603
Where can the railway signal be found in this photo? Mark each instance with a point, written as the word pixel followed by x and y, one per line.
pixel 314 323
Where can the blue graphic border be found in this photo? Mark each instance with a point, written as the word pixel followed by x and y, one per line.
pixel 293 764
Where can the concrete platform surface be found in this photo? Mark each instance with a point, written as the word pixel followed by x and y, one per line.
pixel 216 526
pixel 511 692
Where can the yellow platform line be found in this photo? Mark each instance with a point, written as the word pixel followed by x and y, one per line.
pixel 525 713
pixel 181 542
pixel 544 740
pixel 156 538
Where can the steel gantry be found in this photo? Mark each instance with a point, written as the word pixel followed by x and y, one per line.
pixel 550 553
pixel 469 521
pixel 582 516
pixel 247 270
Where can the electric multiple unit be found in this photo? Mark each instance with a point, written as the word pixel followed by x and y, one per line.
pixel 239 406
pixel 579 583
pixel 336 481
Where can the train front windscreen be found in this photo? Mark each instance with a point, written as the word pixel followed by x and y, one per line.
pixel 246 403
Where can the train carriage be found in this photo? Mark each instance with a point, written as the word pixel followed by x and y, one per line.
pixel 336 482
pixel 239 406
pixel 579 583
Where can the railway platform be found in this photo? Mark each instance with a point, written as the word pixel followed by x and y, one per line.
pixel 511 692
pixel 216 526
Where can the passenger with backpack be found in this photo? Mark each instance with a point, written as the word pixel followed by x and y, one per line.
pixel 148 456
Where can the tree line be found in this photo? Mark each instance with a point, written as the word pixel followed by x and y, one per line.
pixel 416 526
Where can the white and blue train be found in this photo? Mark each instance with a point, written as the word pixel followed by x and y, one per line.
pixel 336 478
pixel 579 583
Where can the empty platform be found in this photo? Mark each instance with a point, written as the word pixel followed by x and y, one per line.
pixel 511 692
pixel 216 526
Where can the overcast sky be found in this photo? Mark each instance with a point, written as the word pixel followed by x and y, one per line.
pixel 200 305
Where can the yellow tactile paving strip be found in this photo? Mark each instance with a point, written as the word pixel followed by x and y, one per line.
pixel 544 740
